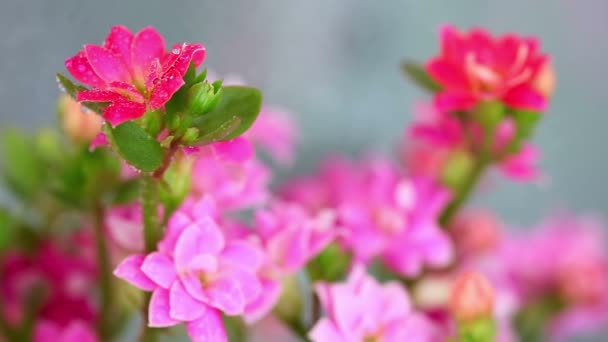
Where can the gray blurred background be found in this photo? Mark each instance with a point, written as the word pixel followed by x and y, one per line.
pixel 335 64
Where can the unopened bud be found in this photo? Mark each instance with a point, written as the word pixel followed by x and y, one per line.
pixel 545 80
pixel 203 97
pixel 78 125
pixel 472 297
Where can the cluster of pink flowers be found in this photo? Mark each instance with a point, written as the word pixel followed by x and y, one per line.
pixel 228 242
pixel 55 286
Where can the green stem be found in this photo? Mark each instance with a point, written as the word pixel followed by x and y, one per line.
pixel 104 328
pixel 152 234
pixel 465 191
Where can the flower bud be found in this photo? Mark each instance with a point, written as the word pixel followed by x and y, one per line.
pixel 203 97
pixel 78 126
pixel 475 232
pixel 545 80
pixel 472 297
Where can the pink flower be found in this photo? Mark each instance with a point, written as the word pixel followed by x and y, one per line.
pixel 423 242
pixel 125 227
pixel 290 237
pixel 474 66
pixel 475 232
pixel 195 275
pixel 472 297
pixel 233 184
pixel 75 331
pixel 275 131
pixel 361 309
pixel 133 73
pixel 65 280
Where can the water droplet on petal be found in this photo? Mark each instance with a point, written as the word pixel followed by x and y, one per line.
pixel 176 51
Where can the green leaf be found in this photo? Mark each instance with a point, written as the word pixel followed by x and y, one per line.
pixel 127 192
pixel 190 74
pixel 236 111
pixel 22 169
pixel 419 76
pixel 72 89
pixel 6 228
pixel 136 146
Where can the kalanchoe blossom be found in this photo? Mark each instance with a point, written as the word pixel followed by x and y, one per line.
pixel 475 66
pixel 438 134
pixel 227 172
pixel 133 73
pixel 275 131
pixel 290 238
pixel 125 227
pixel 361 309
pixel 75 331
pixel 65 282
pixel 196 274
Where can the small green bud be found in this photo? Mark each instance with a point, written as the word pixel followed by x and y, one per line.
pixel 203 97
pixel 191 135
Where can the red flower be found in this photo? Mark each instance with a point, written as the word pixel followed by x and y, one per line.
pixel 475 66
pixel 133 73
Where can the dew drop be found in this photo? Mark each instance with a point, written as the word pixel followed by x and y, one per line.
pixel 85 109
pixel 176 51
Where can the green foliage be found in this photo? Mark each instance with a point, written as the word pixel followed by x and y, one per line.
pixel 419 76
pixel 72 89
pixel 22 169
pixel 331 264
pixel 236 111
pixel 136 146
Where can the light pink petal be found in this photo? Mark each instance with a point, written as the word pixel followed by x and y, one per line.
pixel 238 149
pixel 159 309
pixel 203 237
pixel 263 304
pixel 106 65
pixel 121 111
pixel 525 97
pixel 98 95
pixel 160 269
pixel 81 69
pixel 275 131
pixel 130 271
pixel 192 284
pixel 243 254
pixel 119 43
pixel 164 88
pixel 248 282
pixel 226 294
pixel 183 307
pixel 454 101
pixel 147 46
pixel 207 328
pixel 325 331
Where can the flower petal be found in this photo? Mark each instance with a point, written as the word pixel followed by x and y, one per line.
pixel 202 237
pixel 182 55
pixel 207 328
pixel 164 88
pixel 193 286
pixel 106 65
pixel 525 97
pixel 129 270
pixel 265 301
pixel 183 306
pixel 448 101
pixel 121 111
pixel 147 46
pixel 160 269
pixel 82 70
pixel 243 254
pixel 226 294
pixel 97 95
pixel 447 74
pixel 238 149
pixel 158 311
pixel 325 331
pixel 119 43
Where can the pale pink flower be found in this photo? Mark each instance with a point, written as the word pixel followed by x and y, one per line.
pixel 133 73
pixel 475 66
pixel 125 227
pixel 195 274
pixel 361 309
